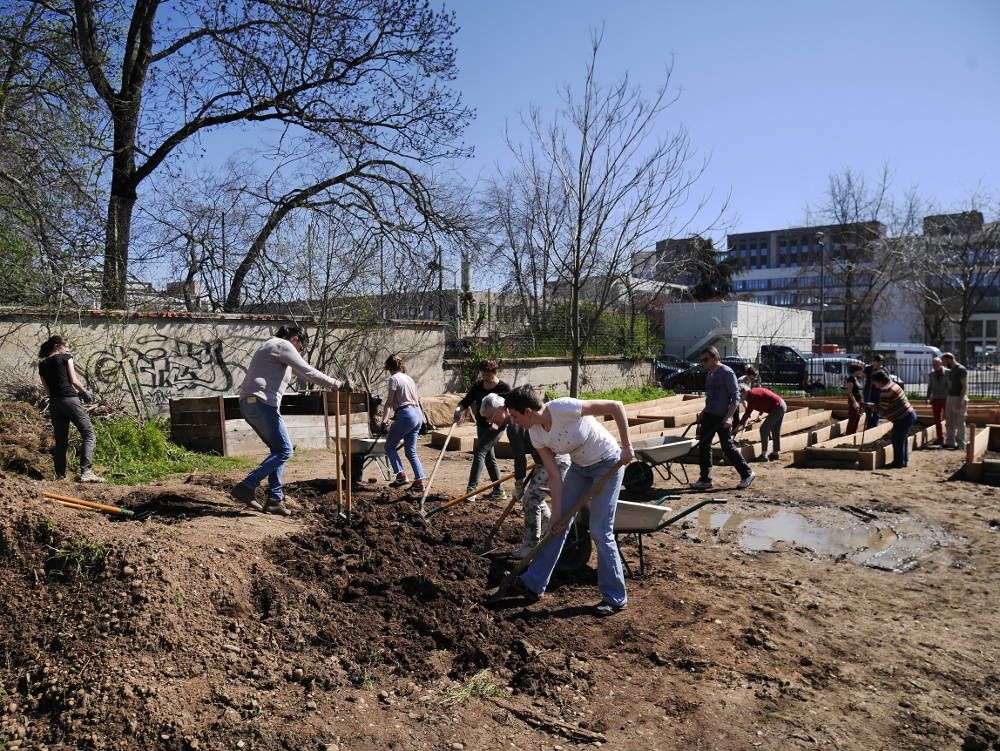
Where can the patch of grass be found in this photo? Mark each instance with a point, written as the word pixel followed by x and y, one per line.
pixel 132 452
pixel 625 395
pixel 481 684
pixel 74 558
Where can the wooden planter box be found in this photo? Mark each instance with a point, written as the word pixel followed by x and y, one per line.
pixel 977 467
pixel 214 424
pixel 833 453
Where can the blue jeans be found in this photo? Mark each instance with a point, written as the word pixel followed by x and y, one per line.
pixel 267 423
pixel 405 426
pixel 901 438
pixel 610 577
pixel 873 395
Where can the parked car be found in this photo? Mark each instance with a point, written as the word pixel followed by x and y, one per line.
pixel 693 379
pixel 667 365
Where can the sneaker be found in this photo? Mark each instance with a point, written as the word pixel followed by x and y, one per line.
pixel 90 476
pixel 278 508
pixel 417 486
pixel 472 498
pixel 746 481
pixel 604 609
pixel 949 446
pixel 523 552
pixel 399 482
pixel 498 495
pixel 702 485
pixel 245 494
pixel 773 457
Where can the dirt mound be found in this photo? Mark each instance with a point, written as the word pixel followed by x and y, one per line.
pixel 142 635
pixel 25 440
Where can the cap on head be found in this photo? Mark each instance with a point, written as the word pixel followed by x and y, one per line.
pixel 490 404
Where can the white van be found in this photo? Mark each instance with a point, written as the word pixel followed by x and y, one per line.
pixel 830 371
pixel 906 352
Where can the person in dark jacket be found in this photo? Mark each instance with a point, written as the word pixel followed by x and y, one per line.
pixel 855 384
pixel 871 390
pixel 67 395
pixel 486 435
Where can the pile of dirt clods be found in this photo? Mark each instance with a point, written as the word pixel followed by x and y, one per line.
pixel 25 440
pixel 127 635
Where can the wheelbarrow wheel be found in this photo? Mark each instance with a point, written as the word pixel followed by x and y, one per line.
pixel 638 477
pixel 576 551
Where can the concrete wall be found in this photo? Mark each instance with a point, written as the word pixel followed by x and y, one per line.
pixel 552 373
pixel 175 355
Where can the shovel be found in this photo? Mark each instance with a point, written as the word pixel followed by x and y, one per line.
pixel 427 487
pixel 523 564
pixel 91 505
pixel 471 493
pixel 488 544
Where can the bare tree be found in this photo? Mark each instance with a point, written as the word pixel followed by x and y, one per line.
pixel 619 175
pixel 867 248
pixel 50 137
pixel 367 80
pixel 961 267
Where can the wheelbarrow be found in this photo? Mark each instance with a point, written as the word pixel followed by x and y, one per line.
pixel 365 451
pixel 658 454
pixel 630 519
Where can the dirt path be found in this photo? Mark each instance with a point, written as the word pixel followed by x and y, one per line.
pixel 298 634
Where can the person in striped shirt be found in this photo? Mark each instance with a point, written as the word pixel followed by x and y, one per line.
pixel 894 407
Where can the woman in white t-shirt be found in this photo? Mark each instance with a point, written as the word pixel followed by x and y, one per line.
pixel 404 401
pixel 567 426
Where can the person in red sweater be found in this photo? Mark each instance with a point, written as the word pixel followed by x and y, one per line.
pixel 766 402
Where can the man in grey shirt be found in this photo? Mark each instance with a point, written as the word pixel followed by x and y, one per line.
pixel 722 396
pixel 265 382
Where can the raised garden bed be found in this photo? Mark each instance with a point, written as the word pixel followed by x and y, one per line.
pixel 874 453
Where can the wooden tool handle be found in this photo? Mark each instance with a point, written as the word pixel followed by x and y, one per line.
pixel 477 491
pixel 91 504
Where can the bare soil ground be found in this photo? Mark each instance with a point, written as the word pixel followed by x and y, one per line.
pixel 210 627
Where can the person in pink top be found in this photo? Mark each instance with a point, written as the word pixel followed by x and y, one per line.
pixel 766 402
pixel 404 401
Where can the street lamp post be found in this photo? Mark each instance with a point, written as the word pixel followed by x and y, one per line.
pixel 821 239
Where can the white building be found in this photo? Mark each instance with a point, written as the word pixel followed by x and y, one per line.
pixel 735 328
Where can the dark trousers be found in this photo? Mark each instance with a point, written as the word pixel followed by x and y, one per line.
pixel 486 439
pixel 872 395
pixel 711 425
pixel 65 410
pixel 900 438
pixel 853 418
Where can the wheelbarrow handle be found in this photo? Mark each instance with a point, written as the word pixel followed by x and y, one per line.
pixel 690 510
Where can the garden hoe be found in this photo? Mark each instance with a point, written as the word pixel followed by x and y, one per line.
pixel 511 576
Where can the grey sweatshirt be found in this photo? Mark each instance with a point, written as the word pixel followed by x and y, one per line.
pixel 270 370
pixel 937 384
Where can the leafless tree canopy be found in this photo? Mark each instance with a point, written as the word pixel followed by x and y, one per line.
pixel 606 176
pixel 352 97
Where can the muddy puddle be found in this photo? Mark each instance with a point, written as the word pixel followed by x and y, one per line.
pixel 890 542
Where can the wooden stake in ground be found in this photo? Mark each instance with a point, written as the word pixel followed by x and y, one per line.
pixel 347 442
pixel 427 487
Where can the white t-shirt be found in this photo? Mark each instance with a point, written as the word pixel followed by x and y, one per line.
pixel 583 438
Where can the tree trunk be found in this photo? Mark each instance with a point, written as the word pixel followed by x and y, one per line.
pixel 118 230
pixel 577 353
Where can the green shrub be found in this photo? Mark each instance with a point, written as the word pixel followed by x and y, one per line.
pixel 132 452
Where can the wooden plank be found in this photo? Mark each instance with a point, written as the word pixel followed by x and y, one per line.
pixel 880 457
pixel 872 434
pixel 186 432
pixel 192 418
pixel 828 432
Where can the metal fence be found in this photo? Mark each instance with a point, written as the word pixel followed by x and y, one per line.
pixel 984 375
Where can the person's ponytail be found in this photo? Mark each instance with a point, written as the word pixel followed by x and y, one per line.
pixel 49 346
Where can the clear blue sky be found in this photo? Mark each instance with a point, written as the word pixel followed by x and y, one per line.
pixel 779 94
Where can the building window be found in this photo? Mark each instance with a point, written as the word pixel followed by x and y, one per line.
pixel 991 328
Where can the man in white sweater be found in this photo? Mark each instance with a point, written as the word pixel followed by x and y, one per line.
pixel 267 377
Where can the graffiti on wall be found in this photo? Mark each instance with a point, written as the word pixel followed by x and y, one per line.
pixel 165 367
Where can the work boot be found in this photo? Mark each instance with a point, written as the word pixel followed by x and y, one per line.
pixel 515 590
pixel 702 485
pixel 245 494
pixel 746 481
pixel 417 486
pixel 399 482
pixel 277 507
pixel 774 456
pixel 88 475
